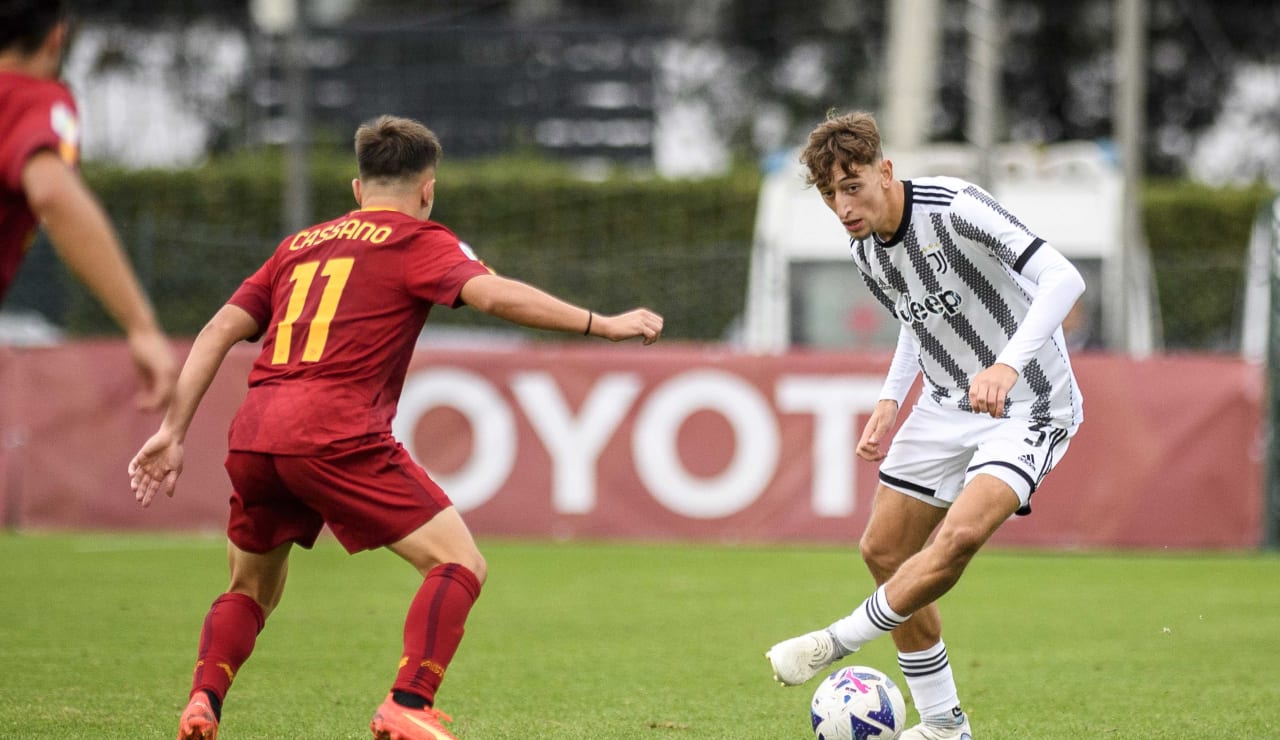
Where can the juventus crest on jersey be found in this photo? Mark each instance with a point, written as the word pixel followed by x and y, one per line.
pixel 952 274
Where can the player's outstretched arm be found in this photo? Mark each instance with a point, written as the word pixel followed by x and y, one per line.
pixel 156 467
pixel 85 241
pixel 526 305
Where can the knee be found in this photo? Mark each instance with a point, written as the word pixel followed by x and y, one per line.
pixel 472 560
pixel 958 544
pixel 478 567
pixel 267 596
pixel 881 558
pixel 269 605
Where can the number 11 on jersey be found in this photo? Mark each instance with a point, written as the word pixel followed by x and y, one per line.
pixel 337 271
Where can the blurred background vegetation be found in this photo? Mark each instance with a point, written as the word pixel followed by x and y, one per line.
pixel 682 245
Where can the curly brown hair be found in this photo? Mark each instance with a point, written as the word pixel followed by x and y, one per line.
pixel 848 140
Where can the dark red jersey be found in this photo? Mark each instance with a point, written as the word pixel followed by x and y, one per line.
pixel 341 305
pixel 35 114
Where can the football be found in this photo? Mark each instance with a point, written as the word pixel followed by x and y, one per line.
pixel 857 703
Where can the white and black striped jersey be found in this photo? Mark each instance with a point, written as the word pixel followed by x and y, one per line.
pixel 952 274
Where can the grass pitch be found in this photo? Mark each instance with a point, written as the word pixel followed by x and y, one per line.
pixel 602 641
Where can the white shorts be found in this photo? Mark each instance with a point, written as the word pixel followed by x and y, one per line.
pixel 937 451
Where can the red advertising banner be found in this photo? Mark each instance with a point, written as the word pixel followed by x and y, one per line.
pixel 668 442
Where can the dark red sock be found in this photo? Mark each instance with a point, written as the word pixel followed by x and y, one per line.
pixel 230 629
pixel 434 628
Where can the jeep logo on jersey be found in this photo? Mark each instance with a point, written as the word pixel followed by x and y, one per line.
pixel 947 302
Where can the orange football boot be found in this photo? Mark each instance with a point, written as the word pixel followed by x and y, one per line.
pixel 394 722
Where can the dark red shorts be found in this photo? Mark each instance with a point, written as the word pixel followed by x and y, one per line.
pixel 370 495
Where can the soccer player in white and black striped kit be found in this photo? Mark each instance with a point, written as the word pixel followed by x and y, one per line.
pixel 981 300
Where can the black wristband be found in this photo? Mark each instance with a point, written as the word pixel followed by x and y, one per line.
pixel 590 316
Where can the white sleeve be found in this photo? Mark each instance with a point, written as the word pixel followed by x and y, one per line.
pixel 1058 285
pixel 903 369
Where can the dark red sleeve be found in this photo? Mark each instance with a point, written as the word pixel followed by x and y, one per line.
pixel 46 119
pixel 254 296
pixel 437 266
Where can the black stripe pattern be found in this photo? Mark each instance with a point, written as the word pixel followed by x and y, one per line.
pixel 1000 310
pixel 880 619
pixel 985 198
pixel 925 665
pixel 859 249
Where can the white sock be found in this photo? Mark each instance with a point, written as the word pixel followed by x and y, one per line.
pixel 869 621
pixel 932 685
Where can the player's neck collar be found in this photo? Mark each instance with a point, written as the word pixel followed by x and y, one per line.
pixel 904 224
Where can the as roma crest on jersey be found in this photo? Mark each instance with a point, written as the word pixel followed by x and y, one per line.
pixel 63 122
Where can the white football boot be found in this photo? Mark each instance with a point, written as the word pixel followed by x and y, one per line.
pixel 799 659
pixel 936 732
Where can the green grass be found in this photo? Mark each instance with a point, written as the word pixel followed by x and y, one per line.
pixel 604 641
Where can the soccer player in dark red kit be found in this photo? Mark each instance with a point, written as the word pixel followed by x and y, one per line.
pixel 340 306
pixel 39 185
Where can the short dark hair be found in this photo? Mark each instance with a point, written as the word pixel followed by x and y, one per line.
pixel 393 148
pixel 24 24
pixel 847 140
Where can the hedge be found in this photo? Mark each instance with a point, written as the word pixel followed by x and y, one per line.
pixel 681 247
pixel 1199 238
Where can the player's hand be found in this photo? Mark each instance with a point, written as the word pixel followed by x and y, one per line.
pixel 156 467
pixel 990 388
pixel 638 322
pixel 877 428
pixel 157 369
